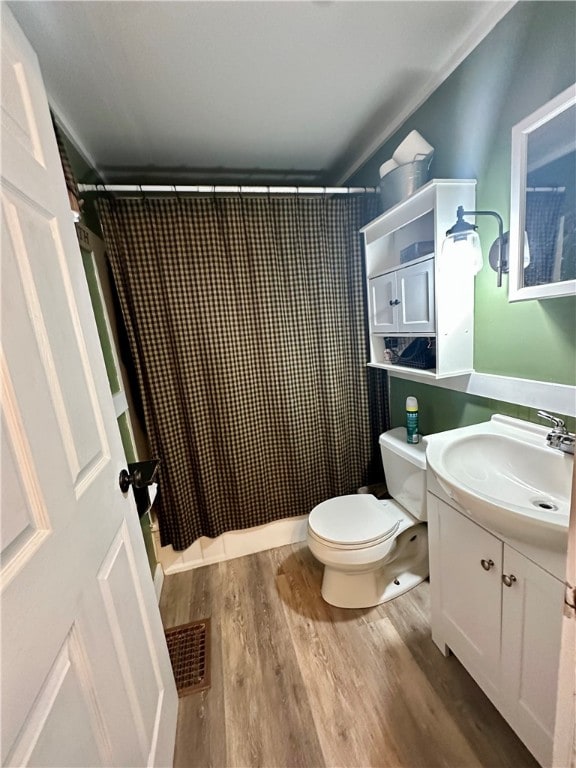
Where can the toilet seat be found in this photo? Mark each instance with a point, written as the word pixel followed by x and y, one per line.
pixel 353 522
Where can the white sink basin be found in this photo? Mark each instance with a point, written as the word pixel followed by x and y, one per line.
pixel 506 477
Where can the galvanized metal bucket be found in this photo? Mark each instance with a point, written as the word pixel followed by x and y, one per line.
pixel 403 181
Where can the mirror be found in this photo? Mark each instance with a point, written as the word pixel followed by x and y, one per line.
pixel 542 246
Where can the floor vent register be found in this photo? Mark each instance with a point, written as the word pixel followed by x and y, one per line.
pixel 189 649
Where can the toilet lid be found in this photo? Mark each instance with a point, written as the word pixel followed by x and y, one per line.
pixel 353 520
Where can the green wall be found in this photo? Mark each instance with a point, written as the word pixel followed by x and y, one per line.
pixel 441 409
pixel 527 59
pixel 116 385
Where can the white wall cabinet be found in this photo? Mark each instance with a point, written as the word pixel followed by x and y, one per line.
pixel 402 301
pixel 413 288
pixel 500 614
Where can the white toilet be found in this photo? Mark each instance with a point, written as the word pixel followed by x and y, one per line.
pixel 374 550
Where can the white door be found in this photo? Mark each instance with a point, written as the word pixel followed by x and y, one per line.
pixel 85 674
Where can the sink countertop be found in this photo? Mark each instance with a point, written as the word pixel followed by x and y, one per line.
pixel 505 477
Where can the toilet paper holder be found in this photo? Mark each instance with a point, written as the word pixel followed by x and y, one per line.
pixel 139 474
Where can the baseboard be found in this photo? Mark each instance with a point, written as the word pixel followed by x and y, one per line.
pixel 158 580
pixel 233 544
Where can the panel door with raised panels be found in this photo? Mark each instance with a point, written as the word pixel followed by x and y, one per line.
pixel 85 673
pixel 416 298
pixel 466 567
pixel 383 302
pixel 532 603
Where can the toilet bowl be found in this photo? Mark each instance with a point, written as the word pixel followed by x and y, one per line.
pixel 375 550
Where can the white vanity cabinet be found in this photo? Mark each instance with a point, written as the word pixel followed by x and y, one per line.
pixel 500 614
pixel 413 289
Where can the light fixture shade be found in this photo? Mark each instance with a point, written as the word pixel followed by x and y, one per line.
pixel 465 246
pixel 463 235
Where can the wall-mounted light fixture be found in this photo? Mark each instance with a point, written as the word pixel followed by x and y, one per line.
pixel 493 255
pixel 462 239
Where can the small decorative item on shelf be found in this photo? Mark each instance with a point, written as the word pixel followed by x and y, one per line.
pixel 418 353
pixel 406 171
pixel 416 250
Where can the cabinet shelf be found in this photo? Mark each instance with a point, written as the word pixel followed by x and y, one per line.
pixel 426 295
pixel 416 374
pixel 413 373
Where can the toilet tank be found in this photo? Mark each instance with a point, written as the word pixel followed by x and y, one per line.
pixel 405 469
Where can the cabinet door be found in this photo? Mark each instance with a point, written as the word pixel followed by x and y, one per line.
pixel 466 590
pixel 416 295
pixel 531 633
pixel 383 302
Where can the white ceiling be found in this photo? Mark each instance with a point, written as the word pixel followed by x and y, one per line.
pixel 309 86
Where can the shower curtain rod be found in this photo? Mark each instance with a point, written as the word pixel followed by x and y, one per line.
pixel 545 189
pixel 146 189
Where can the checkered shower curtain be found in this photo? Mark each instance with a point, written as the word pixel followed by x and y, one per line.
pixel 544 211
pixel 245 318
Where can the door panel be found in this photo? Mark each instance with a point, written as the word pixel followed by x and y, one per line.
pixel 86 678
pixel 416 289
pixel 531 632
pixel 382 308
pixel 27 525
pixel 127 618
pixel 34 244
pixel 470 595
pixel 65 705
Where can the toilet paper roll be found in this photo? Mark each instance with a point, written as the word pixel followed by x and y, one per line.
pixel 414 147
pixel 388 166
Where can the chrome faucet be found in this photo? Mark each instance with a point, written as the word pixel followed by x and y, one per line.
pixel 559 437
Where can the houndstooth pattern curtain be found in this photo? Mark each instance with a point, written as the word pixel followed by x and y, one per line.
pixel 245 318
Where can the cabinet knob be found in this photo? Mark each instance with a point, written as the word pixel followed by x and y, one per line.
pixel 394 302
pixel 508 580
pixel 487 564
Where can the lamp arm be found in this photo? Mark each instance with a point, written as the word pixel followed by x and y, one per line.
pixel 500 237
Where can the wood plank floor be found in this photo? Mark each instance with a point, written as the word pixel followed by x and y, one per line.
pixel 296 682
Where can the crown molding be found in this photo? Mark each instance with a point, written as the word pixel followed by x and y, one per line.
pixel 494 14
